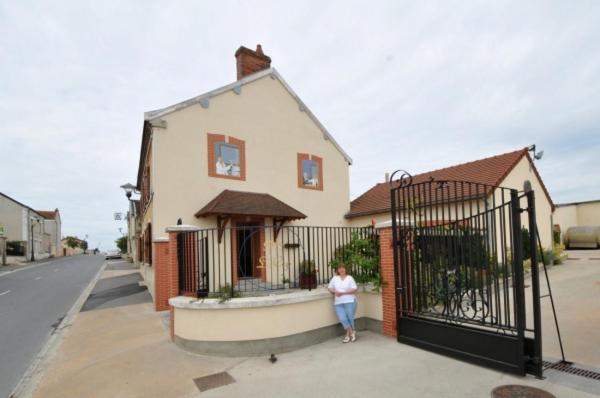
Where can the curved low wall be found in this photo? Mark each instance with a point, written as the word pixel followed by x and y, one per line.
pixel 252 326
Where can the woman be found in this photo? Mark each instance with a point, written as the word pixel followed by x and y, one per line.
pixel 344 288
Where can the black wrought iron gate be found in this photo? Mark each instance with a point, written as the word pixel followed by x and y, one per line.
pixel 458 260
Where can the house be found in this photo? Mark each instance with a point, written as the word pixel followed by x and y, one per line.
pixel 577 214
pixel 133 231
pixel 52 230
pixel 246 156
pixel 509 170
pixel 71 251
pixel 24 229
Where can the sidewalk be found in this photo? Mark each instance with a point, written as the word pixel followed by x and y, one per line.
pixel 118 349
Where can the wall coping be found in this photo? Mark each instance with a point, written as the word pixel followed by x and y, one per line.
pixel 182 228
pixel 159 240
pixel 302 296
pixel 388 223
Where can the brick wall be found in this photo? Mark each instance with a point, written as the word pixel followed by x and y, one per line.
pixel 388 288
pixel 166 278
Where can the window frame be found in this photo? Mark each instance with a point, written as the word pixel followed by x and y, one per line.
pixel 301 157
pixel 212 141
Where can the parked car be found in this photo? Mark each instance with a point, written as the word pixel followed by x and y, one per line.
pixel 582 237
pixel 112 254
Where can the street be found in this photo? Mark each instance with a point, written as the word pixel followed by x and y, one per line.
pixel 33 301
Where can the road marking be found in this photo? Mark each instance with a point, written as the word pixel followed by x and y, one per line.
pixel 6 292
pixel 38 277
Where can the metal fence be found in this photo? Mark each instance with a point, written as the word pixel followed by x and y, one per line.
pixel 255 259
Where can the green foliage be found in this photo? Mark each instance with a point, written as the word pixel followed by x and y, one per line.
pixel 361 257
pixel 556 237
pixel 72 242
pixel 122 244
pixel 226 293
pixel 526 239
pixel 83 245
pixel 307 267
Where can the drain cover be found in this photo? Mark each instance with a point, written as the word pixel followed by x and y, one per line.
pixel 213 381
pixel 517 391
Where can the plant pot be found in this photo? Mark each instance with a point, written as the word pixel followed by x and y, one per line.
pixel 308 281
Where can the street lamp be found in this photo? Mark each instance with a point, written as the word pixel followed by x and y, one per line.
pixel 32 244
pixel 129 189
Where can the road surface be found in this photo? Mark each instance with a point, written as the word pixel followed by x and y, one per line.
pixel 33 301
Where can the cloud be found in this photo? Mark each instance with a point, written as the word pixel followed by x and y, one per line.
pixel 399 84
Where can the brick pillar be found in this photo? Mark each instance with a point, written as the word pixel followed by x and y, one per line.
pixel 388 294
pixel 166 278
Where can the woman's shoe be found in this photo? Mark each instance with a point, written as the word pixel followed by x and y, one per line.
pixel 346 339
pixel 353 337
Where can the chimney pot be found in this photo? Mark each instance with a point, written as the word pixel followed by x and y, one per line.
pixel 387 177
pixel 249 61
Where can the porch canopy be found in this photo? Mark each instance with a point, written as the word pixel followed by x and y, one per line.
pixel 229 204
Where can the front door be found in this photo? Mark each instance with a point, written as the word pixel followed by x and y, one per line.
pixel 246 238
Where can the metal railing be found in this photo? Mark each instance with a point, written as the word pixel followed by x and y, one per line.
pixel 255 259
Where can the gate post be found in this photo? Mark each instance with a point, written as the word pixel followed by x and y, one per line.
pixel 388 288
pixel 518 276
pixel 535 286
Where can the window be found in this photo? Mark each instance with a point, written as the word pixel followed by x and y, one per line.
pixel 226 157
pixel 310 171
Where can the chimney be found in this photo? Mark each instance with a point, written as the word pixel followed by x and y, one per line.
pixel 249 61
pixel 387 177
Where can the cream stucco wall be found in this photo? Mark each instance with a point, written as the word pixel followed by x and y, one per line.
pixel 577 215
pixel 11 218
pixel 543 208
pixel 266 322
pixel 274 129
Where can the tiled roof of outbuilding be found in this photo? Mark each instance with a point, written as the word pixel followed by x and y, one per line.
pixel 489 171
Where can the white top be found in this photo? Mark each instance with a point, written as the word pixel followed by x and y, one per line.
pixel 343 285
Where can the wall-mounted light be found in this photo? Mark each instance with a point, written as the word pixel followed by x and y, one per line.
pixel 536 155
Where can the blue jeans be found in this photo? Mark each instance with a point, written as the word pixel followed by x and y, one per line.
pixel 345 313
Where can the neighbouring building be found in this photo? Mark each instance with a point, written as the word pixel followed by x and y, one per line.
pixel 52 229
pixel 24 229
pixel 134 231
pixel 71 251
pixel 509 170
pixel 248 153
pixel 577 214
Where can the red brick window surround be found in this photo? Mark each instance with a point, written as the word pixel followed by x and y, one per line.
pixel 226 157
pixel 310 172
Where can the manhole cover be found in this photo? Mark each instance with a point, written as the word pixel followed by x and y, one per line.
pixel 516 391
pixel 213 381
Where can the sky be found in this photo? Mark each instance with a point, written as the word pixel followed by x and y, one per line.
pixel 410 85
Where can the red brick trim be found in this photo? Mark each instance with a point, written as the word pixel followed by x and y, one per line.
pixel 166 273
pixel 319 160
pixel 388 294
pixel 213 139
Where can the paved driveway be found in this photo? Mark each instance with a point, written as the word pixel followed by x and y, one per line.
pixel 576 290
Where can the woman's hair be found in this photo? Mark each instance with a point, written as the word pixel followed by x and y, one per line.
pixel 340 265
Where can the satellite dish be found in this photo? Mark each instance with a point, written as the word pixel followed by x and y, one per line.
pixel 527 186
pixel 539 155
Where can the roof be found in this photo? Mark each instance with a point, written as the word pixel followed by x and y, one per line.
pixel 489 171
pixel 272 72
pixel 237 203
pixel 578 203
pixel 48 214
pixel 20 204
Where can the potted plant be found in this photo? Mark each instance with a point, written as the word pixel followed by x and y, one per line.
pixel 286 283
pixel 308 275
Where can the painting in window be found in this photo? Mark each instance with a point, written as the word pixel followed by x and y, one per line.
pixel 228 159
pixel 310 173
